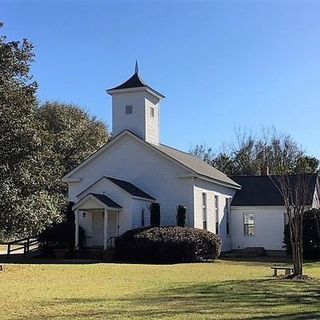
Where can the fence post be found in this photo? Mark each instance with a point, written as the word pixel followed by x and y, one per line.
pixel 28 245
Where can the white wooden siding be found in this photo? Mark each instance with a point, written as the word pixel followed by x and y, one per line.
pixel 269 227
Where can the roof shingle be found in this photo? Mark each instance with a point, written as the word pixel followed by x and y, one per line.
pixel 261 191
pixel 106 200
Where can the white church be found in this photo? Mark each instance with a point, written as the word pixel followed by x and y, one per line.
pixel 113 188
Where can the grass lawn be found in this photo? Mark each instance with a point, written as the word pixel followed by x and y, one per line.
pixel 219 290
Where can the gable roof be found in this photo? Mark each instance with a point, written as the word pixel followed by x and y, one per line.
pixel 102 199
pixel 197 165
pixel 106 200
pixel 124 185
pixel 131 188
pixel 134 81
pixel 191 162
pixel 261 190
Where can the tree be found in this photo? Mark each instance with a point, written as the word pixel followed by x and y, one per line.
pixel 249 153
pixel 26 206
pixel 294 190
pixel 37 146
pixel 311 235
pixel 71 136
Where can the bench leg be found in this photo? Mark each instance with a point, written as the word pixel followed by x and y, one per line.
pixel 275 273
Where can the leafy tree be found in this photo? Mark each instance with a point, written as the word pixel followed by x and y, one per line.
pixel 26 206
pixel 37 146
pixel 71 135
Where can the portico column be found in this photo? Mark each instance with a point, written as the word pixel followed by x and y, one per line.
pixel 105 229
pixel 76 222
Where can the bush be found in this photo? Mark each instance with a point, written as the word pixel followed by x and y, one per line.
pixel 154 209
pixel 181 216
pixel 61 235
pixel 311 235
pixel 167 244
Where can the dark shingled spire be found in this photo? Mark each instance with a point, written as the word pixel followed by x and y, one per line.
pixel 135 82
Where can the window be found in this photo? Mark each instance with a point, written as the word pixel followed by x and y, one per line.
pixel 129 109
pixel 152 112
pixel 248 224
pixel 216 210
pixel 142 218
pixel 204 211
pixel 228 201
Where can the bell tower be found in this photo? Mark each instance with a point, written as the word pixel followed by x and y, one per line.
pixel 136 107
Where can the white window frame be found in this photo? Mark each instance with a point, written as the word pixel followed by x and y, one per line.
pixel 249 227
pixel 204 211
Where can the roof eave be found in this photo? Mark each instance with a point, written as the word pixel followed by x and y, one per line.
pixel 210 179
pixel 136 89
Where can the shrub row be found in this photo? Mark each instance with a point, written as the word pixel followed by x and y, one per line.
pixel 167 244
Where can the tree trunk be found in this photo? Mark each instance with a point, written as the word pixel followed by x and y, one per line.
pixel 297 247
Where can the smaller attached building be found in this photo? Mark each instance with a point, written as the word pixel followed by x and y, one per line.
pixel 102 217
pixel 258 215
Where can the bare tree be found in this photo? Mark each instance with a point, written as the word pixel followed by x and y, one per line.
pixel 295 192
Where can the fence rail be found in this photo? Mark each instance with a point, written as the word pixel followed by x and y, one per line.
pixel 21 246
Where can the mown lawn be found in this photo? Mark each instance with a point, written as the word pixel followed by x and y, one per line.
pixel 219 290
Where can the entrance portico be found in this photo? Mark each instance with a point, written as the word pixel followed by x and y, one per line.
pixel 102 220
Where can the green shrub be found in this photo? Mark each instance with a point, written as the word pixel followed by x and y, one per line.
pixel 154 209
pixel 311 235
pixel 181 216
pixel 167 244
pixel 61 235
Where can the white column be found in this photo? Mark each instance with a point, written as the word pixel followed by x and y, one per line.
pixel 105 229
pixel 76 221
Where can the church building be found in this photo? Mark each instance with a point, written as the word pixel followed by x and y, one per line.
pixel 114 187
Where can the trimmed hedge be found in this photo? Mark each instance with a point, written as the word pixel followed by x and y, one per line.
pixel 167 244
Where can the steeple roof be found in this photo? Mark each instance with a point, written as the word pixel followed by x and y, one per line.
pixel 135 81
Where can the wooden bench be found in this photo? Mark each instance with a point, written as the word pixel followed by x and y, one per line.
pixel 288 270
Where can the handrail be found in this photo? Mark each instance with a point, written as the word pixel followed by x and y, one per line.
pixel 19 240
pixel 24 244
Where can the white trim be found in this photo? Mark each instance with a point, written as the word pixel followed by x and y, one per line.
pixel 106 178
pixel 92 197
pixel 206 178
pixel 136 89
pixel 109 144
pixel 143 199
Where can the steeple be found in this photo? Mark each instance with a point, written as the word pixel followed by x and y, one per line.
pixel 136 107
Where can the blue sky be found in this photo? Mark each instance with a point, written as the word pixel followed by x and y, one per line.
pixel 222 65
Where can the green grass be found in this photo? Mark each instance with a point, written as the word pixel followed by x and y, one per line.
pixel 219 290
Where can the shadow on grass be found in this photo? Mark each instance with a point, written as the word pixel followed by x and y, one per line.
pixel 254 299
